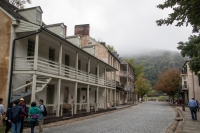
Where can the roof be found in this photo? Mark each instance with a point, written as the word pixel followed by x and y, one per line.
pixel 9 8
pixel 52 25
pixel 185 63
pixel 75 36
pixel 30 8
pixel 82 25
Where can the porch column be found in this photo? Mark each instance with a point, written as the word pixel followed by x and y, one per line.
pixel 76 64
pixel 75 97
pixel 115 100
pixel 97 100
pixel 33 88
pixel 88 71
pixel 110 97
pixel 97 73
pixel 58 98
pixel 88 98
pixel 119 97
pixel 105 98
pixel 60 59
pixel 105 76
pixel 36 51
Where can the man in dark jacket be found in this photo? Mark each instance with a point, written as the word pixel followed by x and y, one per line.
pixel 23 105
pixel 15 118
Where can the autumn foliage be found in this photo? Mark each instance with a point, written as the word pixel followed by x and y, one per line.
pixel 168 81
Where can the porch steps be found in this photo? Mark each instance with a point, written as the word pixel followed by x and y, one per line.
pixel 41 83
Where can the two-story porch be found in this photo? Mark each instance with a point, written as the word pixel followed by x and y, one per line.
pixel 126 78
pixel 48 67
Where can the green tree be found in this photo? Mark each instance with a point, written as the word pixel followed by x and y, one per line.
pixel 19 3
pixel 142 85
pixel 191 48
pixel 184 12
pixel 111 48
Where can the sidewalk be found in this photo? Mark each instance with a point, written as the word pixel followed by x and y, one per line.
pixel 190 126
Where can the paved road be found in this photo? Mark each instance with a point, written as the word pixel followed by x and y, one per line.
pixel 148 117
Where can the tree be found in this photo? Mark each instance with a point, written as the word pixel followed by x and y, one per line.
pixel 111 48
pixel 142 85
pixel 168 81
pixel 19 3
pixel 191 49
pixel 184 12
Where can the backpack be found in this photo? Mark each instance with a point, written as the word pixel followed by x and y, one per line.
pixel 45 111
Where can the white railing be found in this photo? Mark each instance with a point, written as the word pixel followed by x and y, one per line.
pixel 124 73
pixel 48 66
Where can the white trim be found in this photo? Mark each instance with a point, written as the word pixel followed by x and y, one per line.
pixel 7 14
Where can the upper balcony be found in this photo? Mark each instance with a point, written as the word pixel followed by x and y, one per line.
pixel 184 88
pixel 183 73
pixel 126 74
pixel 55 69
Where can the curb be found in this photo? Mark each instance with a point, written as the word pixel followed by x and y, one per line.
pixel 177 123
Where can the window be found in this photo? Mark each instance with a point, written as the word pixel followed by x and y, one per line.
pixel 79 64
pixel 66 60
pixel 51 54
pixel 31 48
pixel 38 17
pixel 62 31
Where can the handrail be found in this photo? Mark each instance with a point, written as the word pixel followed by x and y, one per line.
pixel 22 86
pixel 22 81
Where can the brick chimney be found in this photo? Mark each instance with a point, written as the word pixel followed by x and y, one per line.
pixel 82 30
pixel 103 43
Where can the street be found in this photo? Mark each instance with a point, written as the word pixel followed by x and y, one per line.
pixel 148 117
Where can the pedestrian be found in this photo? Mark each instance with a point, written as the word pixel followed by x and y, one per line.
pixel 197 105
pixel 34 113
pixel 23 105
pixel 2 112
pixel 14 117
pixel 8 113
pixel 193 108
pixel 41 116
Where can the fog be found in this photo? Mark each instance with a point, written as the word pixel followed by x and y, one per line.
pixel 128 25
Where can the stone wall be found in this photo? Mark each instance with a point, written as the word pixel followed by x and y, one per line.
pixel 5 34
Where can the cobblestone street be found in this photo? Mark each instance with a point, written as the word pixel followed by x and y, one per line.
pixel 148 117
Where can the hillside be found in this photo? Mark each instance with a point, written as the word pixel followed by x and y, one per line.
pixel 156 61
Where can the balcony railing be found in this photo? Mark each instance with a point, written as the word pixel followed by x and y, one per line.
pixel 52 67
pixel 120 85
pixel 185 88
pixel 126 74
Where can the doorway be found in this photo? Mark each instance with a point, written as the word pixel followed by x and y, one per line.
pixel 50 97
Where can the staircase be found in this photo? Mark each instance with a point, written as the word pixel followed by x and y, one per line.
pixel 24 88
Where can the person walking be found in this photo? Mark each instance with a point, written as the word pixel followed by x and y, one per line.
pixel 34 113
pixel 197 105
pixel 14 117
pixel 8 113
pixel 193 108
pixel 2 112
pixel 23 105
pixel 41 116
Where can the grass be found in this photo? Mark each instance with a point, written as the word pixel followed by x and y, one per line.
pixel 160 98
pixel 2 129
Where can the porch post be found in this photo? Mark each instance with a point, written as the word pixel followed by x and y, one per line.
pixel 115 89
pixel 119 97
pixel 60 59
pixel 76 64
pixel 110 97
pixel 105 76
pixel 58 98
pixel 36 51
pixel 98 73
pixel 105 98
pixel 88 71
pixel 33 88
pixel 88 98
pixel 97 100
pixel 75 98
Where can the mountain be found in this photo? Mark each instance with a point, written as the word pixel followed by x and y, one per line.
pixel 156 61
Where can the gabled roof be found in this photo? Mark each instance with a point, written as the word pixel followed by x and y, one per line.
pixel 38 7
pixel 9 8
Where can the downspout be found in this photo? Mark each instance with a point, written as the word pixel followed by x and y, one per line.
pixel 12 60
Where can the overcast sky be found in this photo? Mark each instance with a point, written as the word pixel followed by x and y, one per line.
pixel 128 25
